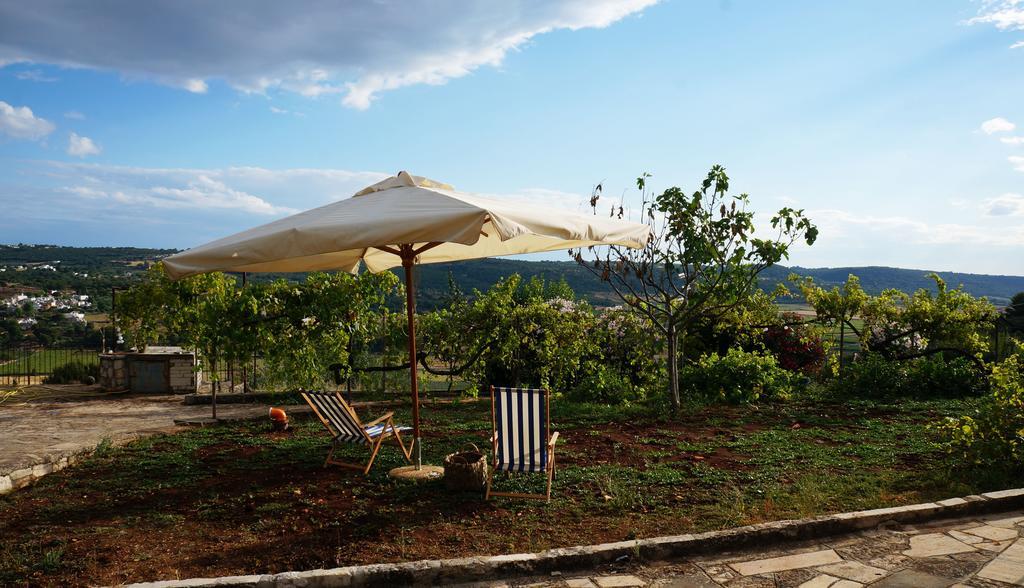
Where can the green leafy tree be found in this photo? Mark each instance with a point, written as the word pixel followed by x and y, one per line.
pixel 950 321
pixel 533 340
pixel 10 331
pixel 628 367
pixel 300 329
pixel 835 308
pixel 702 261
pixel 1014 313
pixel 993 437
pixel 306 328
pixel 448 333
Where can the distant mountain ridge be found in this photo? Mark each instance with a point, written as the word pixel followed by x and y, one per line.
pixel 483 273
pixel 997 288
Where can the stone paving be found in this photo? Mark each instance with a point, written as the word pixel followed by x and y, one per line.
pixel 40 437
pixel 977 552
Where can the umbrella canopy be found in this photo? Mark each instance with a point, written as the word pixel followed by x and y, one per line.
pixel 403 209
pixel 403 220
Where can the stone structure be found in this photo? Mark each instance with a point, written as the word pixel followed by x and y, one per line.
pixel 155 371
pixel 113 371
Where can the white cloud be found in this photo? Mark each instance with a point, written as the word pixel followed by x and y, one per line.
pixel 200 193
pixel 196 86
pixel 34 75
pixel 80 146
pixel 357 49
pixel 547 198
pixel 282 111
pixel 74 115
pixel 1012 140
pixel 1017 161
pixel 997 125
pixel 1006 15
pixel 250 190
pixel 1004 205
pixel 21 123
pixel 843 225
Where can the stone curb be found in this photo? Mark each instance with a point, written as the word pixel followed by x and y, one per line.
pixel 24 476
pixel 477 569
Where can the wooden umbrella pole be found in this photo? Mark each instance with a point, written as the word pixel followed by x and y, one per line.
pixel 408 257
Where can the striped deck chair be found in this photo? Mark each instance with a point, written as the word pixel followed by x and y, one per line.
pixel 522 439
pixel 345 427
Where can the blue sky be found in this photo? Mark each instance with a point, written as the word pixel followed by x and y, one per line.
pixel 894 124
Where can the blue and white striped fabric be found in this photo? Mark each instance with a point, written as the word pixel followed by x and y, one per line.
pixel 344 424
pixel 377 430
pixel 520 416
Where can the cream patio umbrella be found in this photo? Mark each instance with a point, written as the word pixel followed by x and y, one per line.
pixel 403 220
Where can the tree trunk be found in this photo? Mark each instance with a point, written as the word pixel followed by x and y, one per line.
pixel 842 347
pixel 673 369
pixel 213 387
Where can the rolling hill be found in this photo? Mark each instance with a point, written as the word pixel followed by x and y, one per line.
pixel 127 262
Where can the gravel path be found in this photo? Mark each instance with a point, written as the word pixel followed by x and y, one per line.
pixel 43 432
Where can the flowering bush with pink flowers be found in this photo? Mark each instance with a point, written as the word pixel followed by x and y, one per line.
pixel 796 346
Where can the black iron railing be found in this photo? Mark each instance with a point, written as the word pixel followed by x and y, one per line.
pixel 27 364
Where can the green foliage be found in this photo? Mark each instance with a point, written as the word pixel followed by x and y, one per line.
pixel 993 436
pixel 701 262
pixel 837 305
pixel 10 332
pixel 630 369
pixel 897 324
pixel 739 327
pixel 535 340
pixel 74 371
pixel 304 329
pixel 300 329
pixel 798 346
pixel 450 335
pixel 737 377
pixel 1014 313
pixel 875 376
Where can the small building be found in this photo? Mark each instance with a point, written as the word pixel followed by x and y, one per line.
pixel 157 370
pixel 75 317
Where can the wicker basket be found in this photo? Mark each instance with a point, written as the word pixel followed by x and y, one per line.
pixel 465 469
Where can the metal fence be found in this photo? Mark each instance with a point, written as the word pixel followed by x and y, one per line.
pixel 27 364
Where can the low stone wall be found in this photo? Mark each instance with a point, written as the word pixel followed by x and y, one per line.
pixel 20 478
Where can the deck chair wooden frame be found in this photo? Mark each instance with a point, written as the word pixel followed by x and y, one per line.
pixel 547 451
pixel 345 427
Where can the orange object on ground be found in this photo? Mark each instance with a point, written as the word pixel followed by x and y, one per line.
pixel 278 415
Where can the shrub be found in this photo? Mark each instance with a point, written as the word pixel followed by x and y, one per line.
pixel 796 347
pixel 738 376
pixel 629 349
pixel 603 385
pixel 536 341
pixel 994 435
pixel 874 376
pixel 74 371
